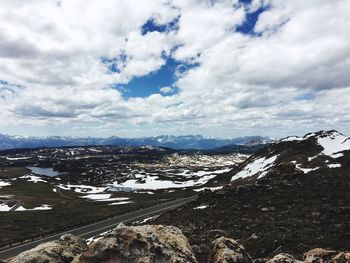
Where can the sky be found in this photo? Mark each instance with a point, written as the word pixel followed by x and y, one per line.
pixel 222 68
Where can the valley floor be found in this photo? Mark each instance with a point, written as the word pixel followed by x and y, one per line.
pixel 44 191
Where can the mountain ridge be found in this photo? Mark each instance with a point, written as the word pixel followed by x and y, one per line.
pixel 288 197
pixel 170 141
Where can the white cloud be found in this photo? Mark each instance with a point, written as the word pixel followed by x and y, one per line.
pixel 51 60
pixel 166 90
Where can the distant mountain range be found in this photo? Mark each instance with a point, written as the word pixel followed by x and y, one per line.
pixel 176 142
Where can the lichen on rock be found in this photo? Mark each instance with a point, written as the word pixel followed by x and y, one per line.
pixel 147 243
pixel 283 258
pixel 319 255
pixel 61 251
pixel 227 250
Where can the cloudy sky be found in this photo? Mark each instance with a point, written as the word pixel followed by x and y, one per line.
pixel 221 68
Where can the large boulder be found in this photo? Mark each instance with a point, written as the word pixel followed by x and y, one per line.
pixel 343 257
pixel 61 251
pixel 319 255
pixel 147 243
pixel 71 246
pixel 227 250
pixel 283 258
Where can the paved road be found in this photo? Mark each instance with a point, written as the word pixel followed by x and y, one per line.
pixel 100 227
pixel 13 208
pixel 18 204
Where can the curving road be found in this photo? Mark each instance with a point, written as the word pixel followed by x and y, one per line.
pixel 100 227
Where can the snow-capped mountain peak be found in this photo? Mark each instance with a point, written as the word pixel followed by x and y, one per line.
pixel 314 152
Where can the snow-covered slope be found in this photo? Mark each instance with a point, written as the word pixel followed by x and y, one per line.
pixel 315 152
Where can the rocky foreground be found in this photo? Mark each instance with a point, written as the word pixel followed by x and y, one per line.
pixel 157 244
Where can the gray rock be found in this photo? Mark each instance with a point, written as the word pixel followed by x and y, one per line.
pixel 343 257
pixel 71 247
pixel 226 250
pixel 283 258
pixel 61 251
pixel 319 255
pixel 146 244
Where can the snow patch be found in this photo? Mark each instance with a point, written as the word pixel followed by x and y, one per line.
pixel 292 138
pixel 97 196
pixel 121 203
pixel 17 158
pixel 304 170
pixel 152 182
pixel 104 197
pixel 309 159
pixel 82 189
pixel 113 199
pixel 42 207
pixel 261 165
pixel 147 219
pixel 333 144
pixel 337 155
pixel 33 178
pixel 4 207
pixel 200 207
pixel 334 165
pixel 97 237
pixel 2 184
pixel 208 188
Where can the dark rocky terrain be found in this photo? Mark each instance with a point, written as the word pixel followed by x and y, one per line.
pixel 60 188
pixel 296 202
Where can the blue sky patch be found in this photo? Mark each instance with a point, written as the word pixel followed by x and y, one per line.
pixel 245 1
pixel 152 26
pixel 306 96
pixel 114 64
pixel 145 86
pixel 247 27
pixel 9 90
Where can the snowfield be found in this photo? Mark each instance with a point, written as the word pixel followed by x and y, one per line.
pixel 333 144
pixel 152 182
pixel 261 165
pixel 147 181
